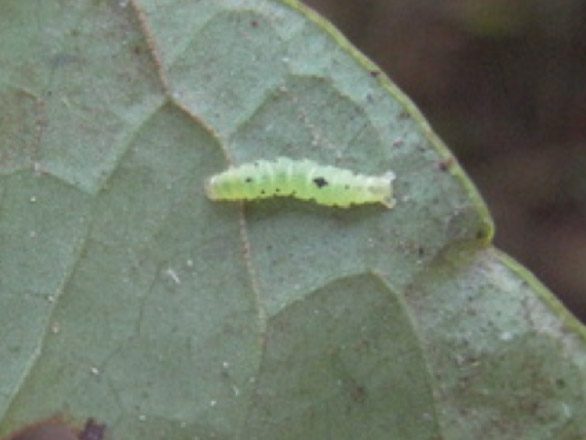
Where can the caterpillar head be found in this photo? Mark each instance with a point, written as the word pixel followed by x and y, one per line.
pixel 381 188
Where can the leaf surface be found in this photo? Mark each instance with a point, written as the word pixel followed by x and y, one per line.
pixel 127 296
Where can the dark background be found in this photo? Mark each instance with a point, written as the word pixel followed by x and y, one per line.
pixel 503 82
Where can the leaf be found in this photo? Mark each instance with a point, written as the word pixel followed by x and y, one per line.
pixel 127 296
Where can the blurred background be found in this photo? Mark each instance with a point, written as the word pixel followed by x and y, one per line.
pixel 503 82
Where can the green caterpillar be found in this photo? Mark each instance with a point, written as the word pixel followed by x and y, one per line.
pixel 302 179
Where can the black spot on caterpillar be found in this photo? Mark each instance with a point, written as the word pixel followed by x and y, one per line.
pixel 320 181
pixel 302 179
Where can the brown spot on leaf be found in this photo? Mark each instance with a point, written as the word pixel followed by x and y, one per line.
pixel 358 393
pixel 56 428
pixel 92 430
pixel 48 429
pixel 446 164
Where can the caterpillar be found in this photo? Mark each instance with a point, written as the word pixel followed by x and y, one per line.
pixel 301 179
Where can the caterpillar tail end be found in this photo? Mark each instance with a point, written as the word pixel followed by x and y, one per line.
pixel 389 201
pixel 208 188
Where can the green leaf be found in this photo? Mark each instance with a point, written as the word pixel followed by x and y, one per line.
pixel 127 296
